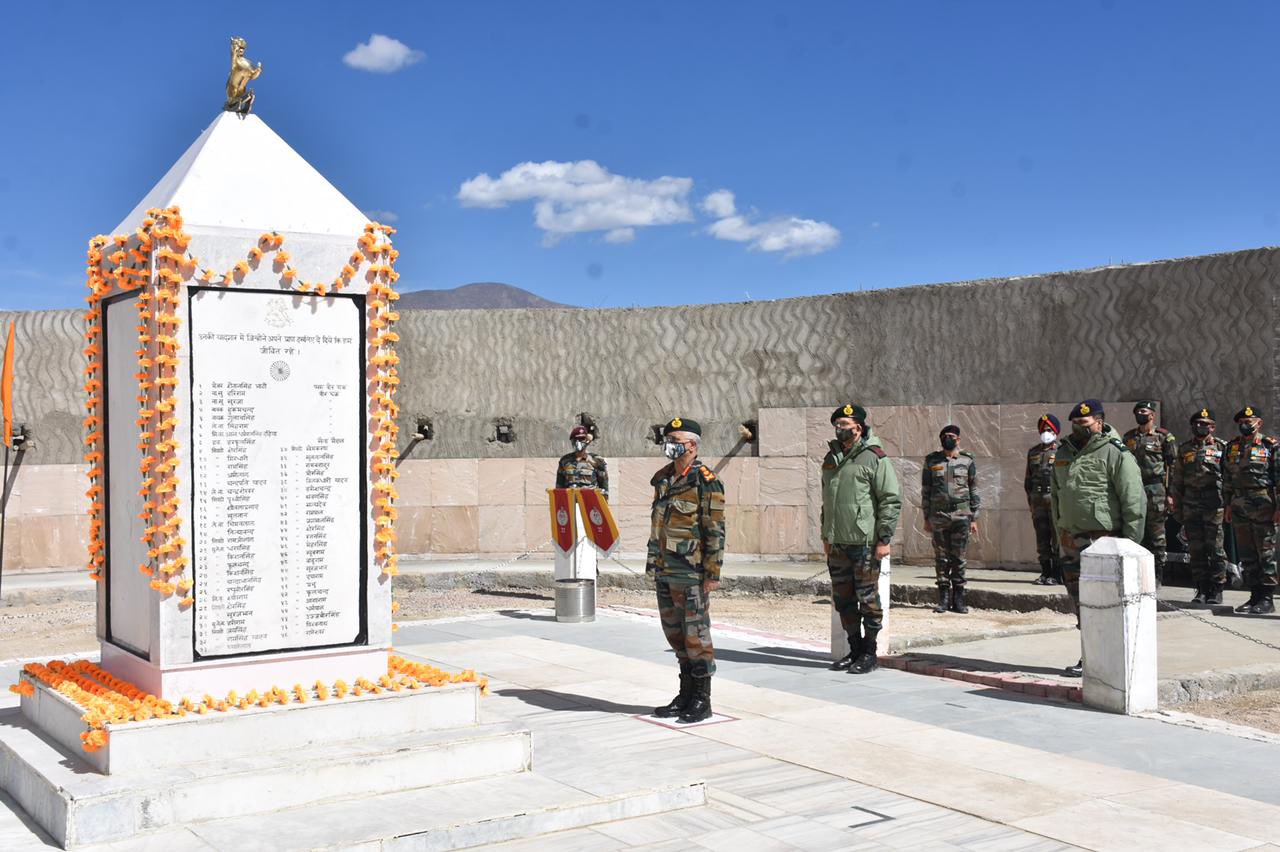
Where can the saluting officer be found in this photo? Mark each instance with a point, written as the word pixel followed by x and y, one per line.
pixel 1198 506
pixel 1252 477
pixel 1155 449
pixel 1036 483
pixel 949 499
pixel 686 550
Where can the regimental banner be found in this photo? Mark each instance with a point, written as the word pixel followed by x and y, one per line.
pixel 598 520
pixel 564 527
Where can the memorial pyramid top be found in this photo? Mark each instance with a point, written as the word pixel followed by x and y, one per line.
pixel 239 174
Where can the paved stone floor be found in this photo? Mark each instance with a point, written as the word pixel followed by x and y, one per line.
pixel 823 760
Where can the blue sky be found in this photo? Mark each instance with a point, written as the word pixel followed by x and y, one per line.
pixel 865 144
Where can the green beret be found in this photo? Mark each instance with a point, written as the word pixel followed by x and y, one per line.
pixel 1144 403
pixel 1203 413
pixel 851 409
pixel 1247 411
pixel 682 424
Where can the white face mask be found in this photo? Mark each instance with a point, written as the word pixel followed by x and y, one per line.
pixel 1048 437
pixel 579 446
pixel 672 450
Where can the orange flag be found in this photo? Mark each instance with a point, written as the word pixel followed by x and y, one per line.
pixel 6 389
pixel 564 527
pixel 598 520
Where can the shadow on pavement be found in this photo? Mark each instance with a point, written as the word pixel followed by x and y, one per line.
pixel 549 699
pixel 975 665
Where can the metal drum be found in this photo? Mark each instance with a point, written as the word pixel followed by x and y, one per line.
pixel 575 600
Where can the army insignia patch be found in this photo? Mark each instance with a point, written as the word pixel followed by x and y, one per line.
pixel 1204 412
pixel 848 411
pixel 676 423
pixel 1085 409
pixel 1248 411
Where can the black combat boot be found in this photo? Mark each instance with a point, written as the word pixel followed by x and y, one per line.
pixel 1213 595
pixel 867 659
pixel 1254 595
pixel 1265 605
pixel 699 707
pixel 944 599
pixel 1074 671
pixel 681 701
pixel 1046 574
pixel 957 600
pixel 855 648
pixel 1202 593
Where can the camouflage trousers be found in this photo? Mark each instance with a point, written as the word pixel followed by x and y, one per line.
pixel 1207 558
pixel 855 588
pixel 685 613
pixel 1046 538
pixel 1072 545
pixel 1153 534
pixel 1252 521
pixel 950 539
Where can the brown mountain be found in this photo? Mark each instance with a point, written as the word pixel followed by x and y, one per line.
pixel 473 296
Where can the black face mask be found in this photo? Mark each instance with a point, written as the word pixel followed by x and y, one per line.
pixel 1143 419
pixel 844 436
pixel 949 442
pixel 1248 428
pixel 1200 429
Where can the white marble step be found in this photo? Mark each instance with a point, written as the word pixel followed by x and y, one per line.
pixel 450 816
pixel 77 805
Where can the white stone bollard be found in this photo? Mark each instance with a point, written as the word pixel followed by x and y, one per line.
pixel 839 641
pixel 1118 626
pixel 580 562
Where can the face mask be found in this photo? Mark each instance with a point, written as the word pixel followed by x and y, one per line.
pixel 1200 429
pixel 1248 428
pixel 1143 419
pixel 1048 437
pixel 579 446
pixel 844 436
pixel 1079 432
pixel 949 442
pixel 672 450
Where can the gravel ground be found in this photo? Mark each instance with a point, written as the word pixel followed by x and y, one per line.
pixel 48 630
pixel 1259 709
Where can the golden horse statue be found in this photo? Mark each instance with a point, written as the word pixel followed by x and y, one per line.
pixel 239 96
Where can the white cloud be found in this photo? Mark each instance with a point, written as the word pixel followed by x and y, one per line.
pixel 382 55
pixel 719 204
pixel 384 216
pixel 583 196
pixel 789 234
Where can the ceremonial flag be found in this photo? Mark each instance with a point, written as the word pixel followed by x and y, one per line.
pixel 600 526
pixel 6 389
pixel 564 527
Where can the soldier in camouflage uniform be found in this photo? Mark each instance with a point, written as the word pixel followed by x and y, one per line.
pixel 686 549
pixel 950 502
pixel 860 506
pixel 581 469
pixel 1035 482
pixel 1197 504
pixel 1252 477
pixel 1096 492
pixel 1155 449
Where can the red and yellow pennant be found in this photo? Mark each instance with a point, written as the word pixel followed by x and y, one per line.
pixel 564 526
pixel 598 520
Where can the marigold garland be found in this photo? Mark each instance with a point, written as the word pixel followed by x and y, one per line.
pixel 108 701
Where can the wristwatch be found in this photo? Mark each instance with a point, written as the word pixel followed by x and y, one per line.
pixel 884 539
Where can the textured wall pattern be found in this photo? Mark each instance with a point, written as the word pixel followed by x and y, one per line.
pixel 1187 332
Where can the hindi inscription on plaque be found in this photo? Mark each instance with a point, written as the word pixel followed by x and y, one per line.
pixel 277 407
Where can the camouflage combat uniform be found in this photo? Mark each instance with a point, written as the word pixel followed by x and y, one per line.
pixel 1252 476
pixel 1155 453
pixel 686 548
pixel 591 472
pixel 1196 483
pixel 1036 482
pixel 949 499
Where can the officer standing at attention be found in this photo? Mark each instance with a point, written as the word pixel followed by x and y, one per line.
pixel 1155 449
pixel 686 549
pixel 1096 491
pixel 1198 503
pixel 860 506
pixel 581 469
pixel 1252 476
pixel 1036 483
pixel 949 500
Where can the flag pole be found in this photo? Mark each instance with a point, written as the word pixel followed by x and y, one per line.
pixel 4 512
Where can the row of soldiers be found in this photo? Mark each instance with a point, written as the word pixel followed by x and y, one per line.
pixel 1090 484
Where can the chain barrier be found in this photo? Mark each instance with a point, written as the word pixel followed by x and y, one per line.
pixel 1213 623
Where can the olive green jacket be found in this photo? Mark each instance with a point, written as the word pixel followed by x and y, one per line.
pixel 861 498
pixel 1098 487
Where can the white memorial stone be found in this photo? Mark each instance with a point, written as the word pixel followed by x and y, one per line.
pixel 1118 626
